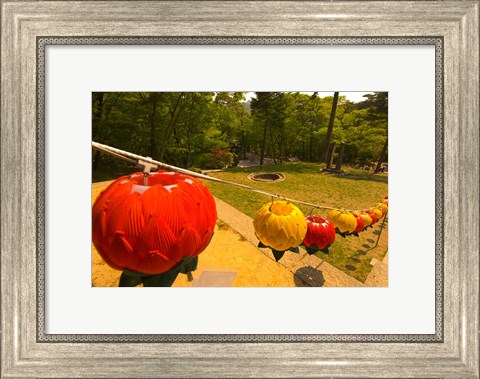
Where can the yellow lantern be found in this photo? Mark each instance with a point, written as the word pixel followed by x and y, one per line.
pixel 343 220
pixel 280 225
pixel 383 207
pixel 377 212
pixel 366 218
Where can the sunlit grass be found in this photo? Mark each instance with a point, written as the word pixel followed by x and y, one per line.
pixel 357 189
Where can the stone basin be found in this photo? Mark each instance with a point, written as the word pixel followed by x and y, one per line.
pixel 266 177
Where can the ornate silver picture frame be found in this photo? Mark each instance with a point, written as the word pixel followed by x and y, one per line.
pixel 451 27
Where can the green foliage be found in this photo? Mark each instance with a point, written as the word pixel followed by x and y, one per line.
pixel 174 127
pixel 182 128
pixel 216 159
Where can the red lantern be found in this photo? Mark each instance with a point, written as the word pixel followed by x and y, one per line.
pixel 320 233
pixel 372 215
pixel 360 223
pixel 150 229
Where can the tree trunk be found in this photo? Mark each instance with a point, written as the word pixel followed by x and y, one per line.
pixel 264 140
pixel 279 141
pixel 153 127
pixel 189 147
pixel 330 127
pixel 338 166
pixel 242 128
pixel 102 130
pixel 331 153
pixel 97 117
pixel 281 149
pixel 173 120
pixel 244 147
pixel 311 144
pixel 272 144
pixel 382 157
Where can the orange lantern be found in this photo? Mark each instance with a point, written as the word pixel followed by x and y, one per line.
pixel 151 228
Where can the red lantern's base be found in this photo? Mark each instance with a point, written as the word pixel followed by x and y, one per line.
pixel 166 279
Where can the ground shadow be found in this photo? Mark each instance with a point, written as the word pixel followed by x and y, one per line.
pixel 307 168
pixel 350 267
pixel 296 167
pixel 308 277
pixel 365 177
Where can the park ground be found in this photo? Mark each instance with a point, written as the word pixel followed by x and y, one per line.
pixel 232 257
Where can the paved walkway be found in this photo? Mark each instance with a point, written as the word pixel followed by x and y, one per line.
pixel 378 277
pixel 235 251
pixel 255 162
pixel 311 270
pixel 229 252
pixel 229 260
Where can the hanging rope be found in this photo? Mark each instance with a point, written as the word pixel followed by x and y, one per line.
pixel 134 158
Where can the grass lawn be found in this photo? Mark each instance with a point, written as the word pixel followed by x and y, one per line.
pixel 355 190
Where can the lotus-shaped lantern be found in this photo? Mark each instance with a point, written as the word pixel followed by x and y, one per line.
pixel 151 228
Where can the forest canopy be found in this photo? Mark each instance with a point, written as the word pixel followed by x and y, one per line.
pixel 215 129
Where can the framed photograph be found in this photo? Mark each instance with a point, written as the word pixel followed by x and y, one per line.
pixel 213 78
pixel 287 172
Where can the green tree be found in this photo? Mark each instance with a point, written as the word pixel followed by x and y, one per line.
pixel 330 127
pixel 182 128
pixel 378 112
pixel 268 110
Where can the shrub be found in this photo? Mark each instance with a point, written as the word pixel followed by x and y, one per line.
pixel 216 159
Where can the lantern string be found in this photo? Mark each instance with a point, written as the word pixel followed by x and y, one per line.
pixel 130 157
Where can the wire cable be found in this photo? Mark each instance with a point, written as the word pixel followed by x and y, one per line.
pixel 130 157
